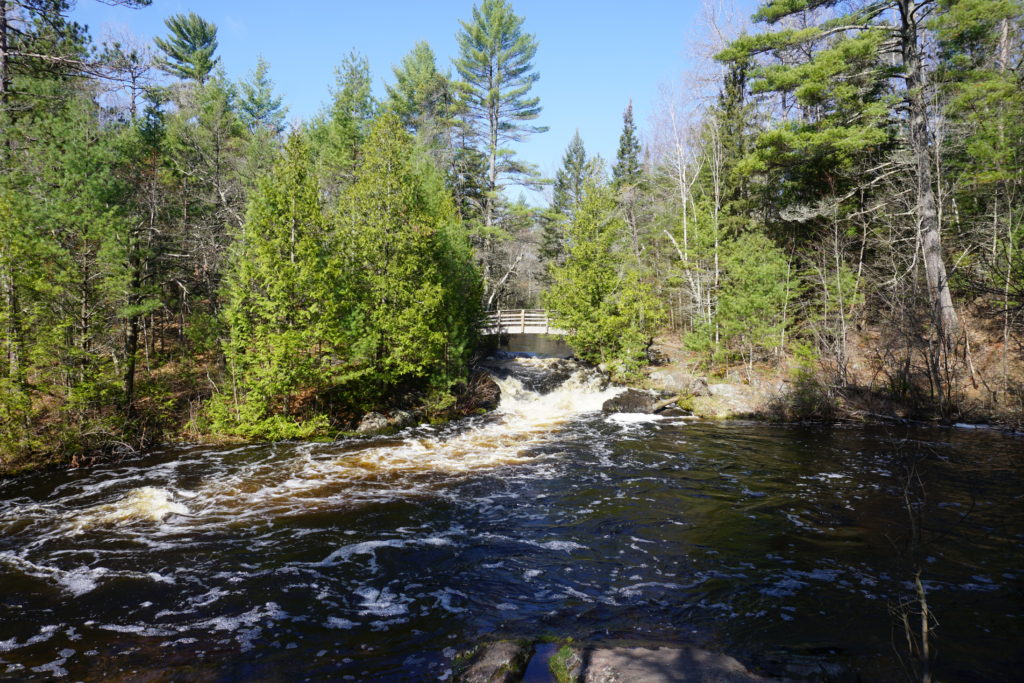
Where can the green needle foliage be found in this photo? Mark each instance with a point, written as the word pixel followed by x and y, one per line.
pixel 258 107
pixel 610 313
pixel 570 182
pixel 188 50
pixel 495 64
pixel 338 134
pixel 757 288
pixel 394 226
pixel 628 166
pixel 277 314
pixel 329 313
pixel 422 97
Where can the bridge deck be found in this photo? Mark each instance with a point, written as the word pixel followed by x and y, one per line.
pixel 519 321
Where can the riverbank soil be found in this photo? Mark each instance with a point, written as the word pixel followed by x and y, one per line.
pixel 982 384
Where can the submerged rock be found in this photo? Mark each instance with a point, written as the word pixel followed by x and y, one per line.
pixel 500 662
pixel 631 401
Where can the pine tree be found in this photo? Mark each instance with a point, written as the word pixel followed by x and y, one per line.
pixel 570 181
pixel 189 48
pixel 496 66
pixel 263 115
pixel 839 69
pixel 337 135
pixel 981 47
pixel 205 149
pixel 258 108
pixel 422 97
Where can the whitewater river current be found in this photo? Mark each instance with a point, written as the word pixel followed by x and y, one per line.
pixel 383 559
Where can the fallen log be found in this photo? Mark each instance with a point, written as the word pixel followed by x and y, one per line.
pixel 661 405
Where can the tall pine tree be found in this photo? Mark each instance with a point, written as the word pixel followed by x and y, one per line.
pixel 495 64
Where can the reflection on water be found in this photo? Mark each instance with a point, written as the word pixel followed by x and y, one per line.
pixel 381 559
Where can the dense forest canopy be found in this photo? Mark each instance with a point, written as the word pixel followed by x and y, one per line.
pixel 176 259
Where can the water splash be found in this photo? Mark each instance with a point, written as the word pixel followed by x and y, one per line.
pixel 145 504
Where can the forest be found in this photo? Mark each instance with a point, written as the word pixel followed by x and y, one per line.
pixel 179 262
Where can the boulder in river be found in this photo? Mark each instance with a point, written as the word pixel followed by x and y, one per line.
pixel 400 419
pixel 631 401
pixel 679 381
pixel 372 422
pixel 502 661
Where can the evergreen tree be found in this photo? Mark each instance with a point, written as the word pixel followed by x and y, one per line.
pixel 570 182
pixel 263 115
pixel 422 97
pixel 839 69
pixel 610 313
pixel 732 124
pixel 981 47
pixel 628 166
pixel 627 178
pixel 496 66
pixel 750 316
pixel 428 104
pixel 189 48
pixel 258 108
pixel 278 299
pixel 338 134
pixel 389 225
pixel 205 150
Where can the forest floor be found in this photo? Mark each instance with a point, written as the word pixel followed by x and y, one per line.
pixel 875 389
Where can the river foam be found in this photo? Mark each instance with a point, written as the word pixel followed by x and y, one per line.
pixel 145 504
pixel 409 463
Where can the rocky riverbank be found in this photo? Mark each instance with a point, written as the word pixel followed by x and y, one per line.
pixel 513 661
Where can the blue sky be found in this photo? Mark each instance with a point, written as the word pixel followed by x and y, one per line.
pixel 593 56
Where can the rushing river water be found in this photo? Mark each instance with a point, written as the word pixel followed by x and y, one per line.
pixel 381 559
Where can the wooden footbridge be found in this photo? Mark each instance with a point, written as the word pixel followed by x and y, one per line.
pixel 519 321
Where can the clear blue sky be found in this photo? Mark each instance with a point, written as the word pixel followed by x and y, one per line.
pixel 593 56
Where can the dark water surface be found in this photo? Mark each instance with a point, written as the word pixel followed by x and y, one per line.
pixel 328 561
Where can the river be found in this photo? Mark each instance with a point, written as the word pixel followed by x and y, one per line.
pixel 382 559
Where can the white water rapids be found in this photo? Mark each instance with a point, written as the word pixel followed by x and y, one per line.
pixel 381 558
pixel 384 466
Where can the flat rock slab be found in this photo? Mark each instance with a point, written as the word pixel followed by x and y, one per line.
pixel 660 665
pixel 499 662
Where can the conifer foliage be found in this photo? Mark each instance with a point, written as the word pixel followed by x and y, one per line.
pixel 176 258
pixel 278 292
pixel 611 314
pixel 190 47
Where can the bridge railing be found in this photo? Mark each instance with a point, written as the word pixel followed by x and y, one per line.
pixel 519 321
